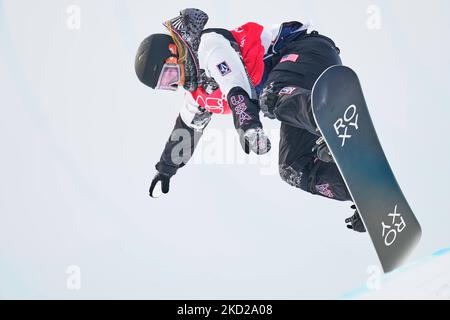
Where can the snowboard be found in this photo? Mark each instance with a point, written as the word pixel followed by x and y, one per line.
pixel 343 119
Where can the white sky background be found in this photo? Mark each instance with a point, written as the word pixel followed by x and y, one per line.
pixel 80 136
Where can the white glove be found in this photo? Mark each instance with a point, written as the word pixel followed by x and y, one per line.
pixel 257 141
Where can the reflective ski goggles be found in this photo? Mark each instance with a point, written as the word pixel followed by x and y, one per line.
pixel 169 77
pixel 171 73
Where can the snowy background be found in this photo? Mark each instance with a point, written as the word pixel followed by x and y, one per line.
pixel 80 136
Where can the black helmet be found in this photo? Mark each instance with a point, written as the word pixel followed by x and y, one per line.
pixel 151 57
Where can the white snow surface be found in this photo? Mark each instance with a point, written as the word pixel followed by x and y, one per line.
pixel 80 136
pixel 427 278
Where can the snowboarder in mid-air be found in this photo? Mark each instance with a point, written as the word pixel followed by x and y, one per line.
pixel 242 72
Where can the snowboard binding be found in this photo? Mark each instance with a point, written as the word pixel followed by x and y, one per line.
pixel 355 222
pixel 322 151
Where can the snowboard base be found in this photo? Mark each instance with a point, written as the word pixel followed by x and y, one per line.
pixel 344 121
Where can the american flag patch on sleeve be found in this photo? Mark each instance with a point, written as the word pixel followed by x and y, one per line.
pixel 289 57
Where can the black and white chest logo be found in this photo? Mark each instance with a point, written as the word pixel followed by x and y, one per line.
pixel 224 68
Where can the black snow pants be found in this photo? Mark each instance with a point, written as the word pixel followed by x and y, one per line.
pixel 298 164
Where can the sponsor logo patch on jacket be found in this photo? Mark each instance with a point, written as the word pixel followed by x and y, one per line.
pixel 224 68
pixel 287 91
pixel 290 57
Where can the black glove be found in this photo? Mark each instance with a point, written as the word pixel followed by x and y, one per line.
pixel 267 101
pixel 245 110
pixel 355 222
pixel 246 121
pixel 161 183
pixel 322 151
